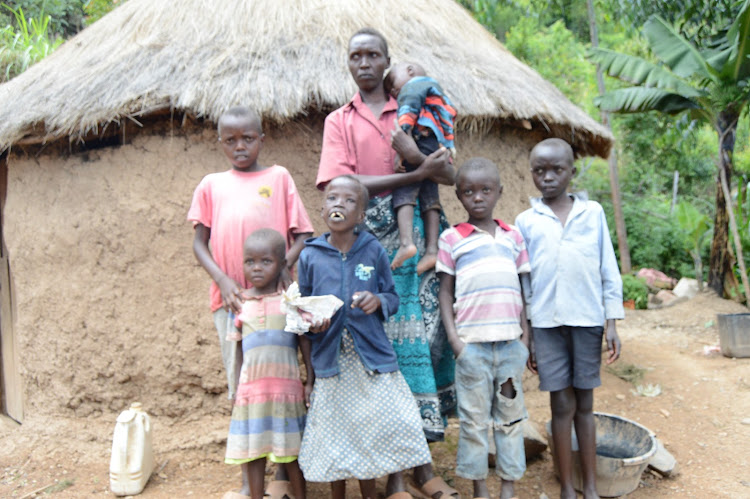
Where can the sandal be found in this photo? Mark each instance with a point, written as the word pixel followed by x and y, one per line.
pixel 279 489
pixel 433 486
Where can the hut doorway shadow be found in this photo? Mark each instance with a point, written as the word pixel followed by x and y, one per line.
pixel 11 393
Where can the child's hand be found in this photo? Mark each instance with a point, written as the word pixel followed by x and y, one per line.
pixel 231 294
pixel 528 340
pixel 319 326
pixel 438 168
pixel 398 165
pixel 285 280
pixel 308 391
pixel 365 300
pixel 404 145
pixel 613 342
pixel 457 346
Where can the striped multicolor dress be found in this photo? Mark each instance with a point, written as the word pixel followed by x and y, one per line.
pixel 268 416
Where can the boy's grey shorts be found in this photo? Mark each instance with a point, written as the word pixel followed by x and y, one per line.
pixel 568 356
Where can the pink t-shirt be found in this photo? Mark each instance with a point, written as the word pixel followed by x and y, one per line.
pixel 354 142
pixel 233 204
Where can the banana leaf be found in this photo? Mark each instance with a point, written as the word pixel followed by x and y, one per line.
pixel 639 99
pixel 675 51
pixel 639 71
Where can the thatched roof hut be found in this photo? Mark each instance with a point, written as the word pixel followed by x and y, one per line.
pixel 279 57
pixel 104 141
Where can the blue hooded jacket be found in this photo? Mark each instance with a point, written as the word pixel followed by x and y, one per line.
pixel 324 270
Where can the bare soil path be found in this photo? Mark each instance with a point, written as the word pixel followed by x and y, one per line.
pixel 701 416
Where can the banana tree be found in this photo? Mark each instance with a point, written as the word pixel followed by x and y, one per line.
pixel 712 84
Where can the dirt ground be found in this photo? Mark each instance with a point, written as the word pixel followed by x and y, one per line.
pixel 702 416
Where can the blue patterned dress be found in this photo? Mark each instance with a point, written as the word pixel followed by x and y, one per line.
pixel 416 331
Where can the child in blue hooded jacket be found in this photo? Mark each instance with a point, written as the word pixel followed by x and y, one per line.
pixel 348 433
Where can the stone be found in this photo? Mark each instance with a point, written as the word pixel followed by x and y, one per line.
pixel 656 278
pixel 686 288
pixel 663 462
pixel 533 441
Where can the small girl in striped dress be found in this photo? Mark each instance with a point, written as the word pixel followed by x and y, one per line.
pixel 268 415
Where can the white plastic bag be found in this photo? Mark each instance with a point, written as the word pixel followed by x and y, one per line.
pixel 319 307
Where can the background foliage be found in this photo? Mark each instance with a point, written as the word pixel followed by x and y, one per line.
pixel 552 37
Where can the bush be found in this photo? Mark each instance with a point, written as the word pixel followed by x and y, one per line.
pixel 636 289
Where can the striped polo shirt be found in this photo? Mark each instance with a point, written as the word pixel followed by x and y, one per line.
pixel 487 292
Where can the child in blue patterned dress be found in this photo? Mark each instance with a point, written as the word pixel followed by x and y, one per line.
pixel 349 432
pixel 268 414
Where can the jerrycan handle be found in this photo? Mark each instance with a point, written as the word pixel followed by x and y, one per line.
pixel 137 408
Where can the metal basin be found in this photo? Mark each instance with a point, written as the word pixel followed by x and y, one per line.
pixel 623 450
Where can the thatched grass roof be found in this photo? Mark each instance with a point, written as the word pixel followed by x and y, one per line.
pixel 281 57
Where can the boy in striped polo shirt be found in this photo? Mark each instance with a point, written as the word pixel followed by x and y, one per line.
pixel 482 308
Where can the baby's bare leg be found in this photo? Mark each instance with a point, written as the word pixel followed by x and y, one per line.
pixel 406 247
pixel 431 233
pixel 586 433
pixel 563 405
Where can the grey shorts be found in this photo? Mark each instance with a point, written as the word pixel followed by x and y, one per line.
pixel 568 356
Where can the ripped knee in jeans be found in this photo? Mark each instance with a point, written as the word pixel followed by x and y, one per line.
pixel 510 409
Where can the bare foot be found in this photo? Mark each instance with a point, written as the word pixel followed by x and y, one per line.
pixel 426 263
pixel 507 490
pixel 403 254
pixel 590 493
pixel 567 493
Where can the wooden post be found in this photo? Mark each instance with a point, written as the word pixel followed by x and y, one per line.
pixel 11 390
pixel 614 180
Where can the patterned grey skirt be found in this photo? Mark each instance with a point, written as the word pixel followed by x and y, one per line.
pixel 361 425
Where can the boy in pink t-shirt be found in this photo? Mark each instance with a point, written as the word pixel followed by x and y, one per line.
pixel 228 206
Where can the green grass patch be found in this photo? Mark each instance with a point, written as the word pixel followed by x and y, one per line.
pixel 629 372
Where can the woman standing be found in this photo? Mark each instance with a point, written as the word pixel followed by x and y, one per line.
pixel 361 139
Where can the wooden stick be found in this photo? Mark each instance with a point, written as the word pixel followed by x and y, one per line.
pixel 34 492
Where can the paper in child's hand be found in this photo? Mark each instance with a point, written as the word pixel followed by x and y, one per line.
pixel 302 311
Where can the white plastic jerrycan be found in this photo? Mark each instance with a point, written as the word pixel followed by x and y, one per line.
pixel 132 455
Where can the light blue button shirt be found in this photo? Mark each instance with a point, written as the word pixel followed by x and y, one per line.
pixel 575 280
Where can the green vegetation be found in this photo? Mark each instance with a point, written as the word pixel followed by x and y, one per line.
pixel 695 227
pixel 636 289
pixel 67 17
pixel 553 38
pixel 31 29
pixel 628 372
pixel 710 82
pixel 23 46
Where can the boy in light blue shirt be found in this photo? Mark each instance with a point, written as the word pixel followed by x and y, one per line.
pixel 575 289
